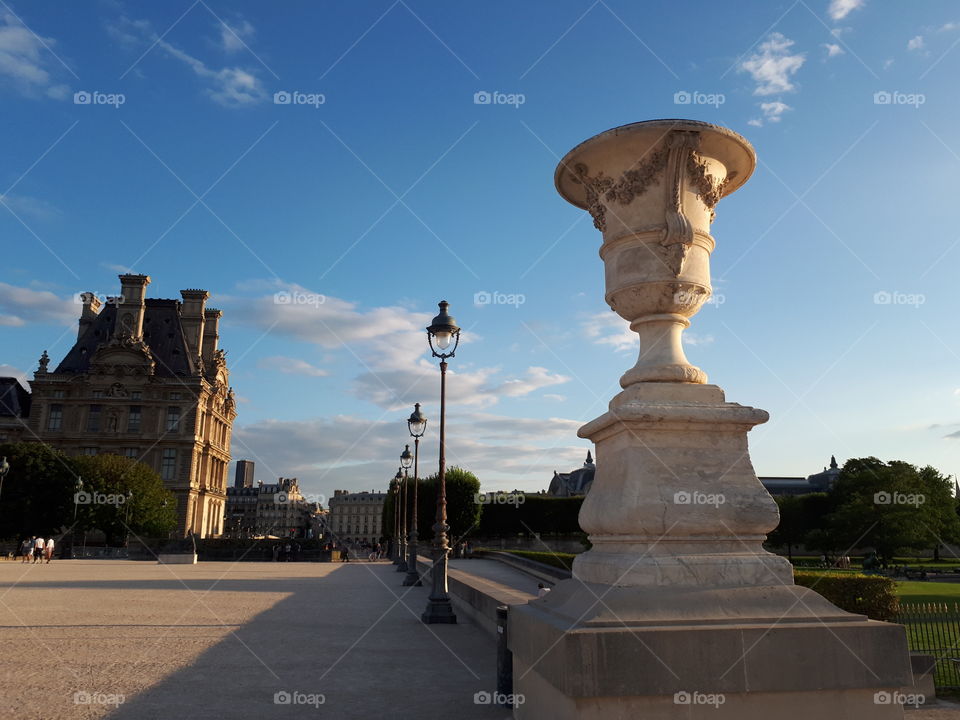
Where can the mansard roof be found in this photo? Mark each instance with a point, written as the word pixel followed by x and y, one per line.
pixel 162 332
pixel 14 398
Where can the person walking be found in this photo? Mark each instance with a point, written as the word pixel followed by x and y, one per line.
pixel 26 549
pixel 48 550
pixel 38 550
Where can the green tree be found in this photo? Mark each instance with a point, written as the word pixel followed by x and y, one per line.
pixel 891 506
pixel 463 510
pixel 37 496
pixel 121 495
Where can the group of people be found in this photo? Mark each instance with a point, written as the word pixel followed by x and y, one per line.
pixel 37 549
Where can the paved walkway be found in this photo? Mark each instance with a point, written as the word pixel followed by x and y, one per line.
pixel 221 640
pixel 498 572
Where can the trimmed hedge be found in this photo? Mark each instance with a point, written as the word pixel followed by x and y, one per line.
pixel 563 561
pixel 869 595
pixel 536 514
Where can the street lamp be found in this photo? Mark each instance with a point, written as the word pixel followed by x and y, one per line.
pixel 402 488
pixel 73 528
pixel 417 425
pixel 396 517
pixel 406 460
pixel 4 469
pixel 443 335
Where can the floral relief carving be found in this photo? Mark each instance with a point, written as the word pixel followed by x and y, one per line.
pixel 709 188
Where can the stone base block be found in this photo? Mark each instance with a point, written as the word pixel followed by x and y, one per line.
pixel 593 651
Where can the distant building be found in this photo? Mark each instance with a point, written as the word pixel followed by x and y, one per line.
pixel 14 409
pixel 356 517
pixel 816 483
pixel 243 476
pixel 274 509
pixel 146 380
pixel 576 482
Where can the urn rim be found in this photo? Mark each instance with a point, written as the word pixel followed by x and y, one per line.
pixel 737 153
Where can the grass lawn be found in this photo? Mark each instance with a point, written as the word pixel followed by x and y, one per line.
pixel 927 592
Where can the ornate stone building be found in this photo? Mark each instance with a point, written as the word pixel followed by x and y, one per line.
pixel 273 509
pixel 145 379
pixel 356 517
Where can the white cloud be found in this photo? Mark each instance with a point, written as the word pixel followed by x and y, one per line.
pixel 773 65
pixel 833 49
pixel 349 452
pixel 228 86
pixel 949 27
pixel 20 306
pixel 11 371
pixel 772 111
pixel 24 205
pixel 839 9
pixel 608 328
pixel 916 43
pixel 887 63
pixel 554 397
pixel 233 35
pixel 116 268
pixel 25 60
pixel 291 366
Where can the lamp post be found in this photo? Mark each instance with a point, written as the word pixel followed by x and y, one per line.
pixel 396 518
pixel 417 425
pixel 73 528
pixel 406 460
pixel 404 505
pixel 4 469
pixel 443 336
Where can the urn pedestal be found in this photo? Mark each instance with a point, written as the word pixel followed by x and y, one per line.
pixel 677 611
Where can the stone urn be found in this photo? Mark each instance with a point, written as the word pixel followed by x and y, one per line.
pixel 651 188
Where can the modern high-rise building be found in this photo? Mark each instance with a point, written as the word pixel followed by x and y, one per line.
pixel 145 379
pixel 244 474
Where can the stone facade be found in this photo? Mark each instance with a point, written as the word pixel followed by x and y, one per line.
pixel 356 517
pixel 273 509
pixel 145 379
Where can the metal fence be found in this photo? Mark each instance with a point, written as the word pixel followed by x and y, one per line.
pixel 934 629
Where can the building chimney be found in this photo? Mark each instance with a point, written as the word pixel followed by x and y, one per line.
pixel 130 306
pixel 91 308
pixel 211 334
pixel 191 318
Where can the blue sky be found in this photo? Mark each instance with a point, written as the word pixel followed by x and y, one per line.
pixel 383 187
